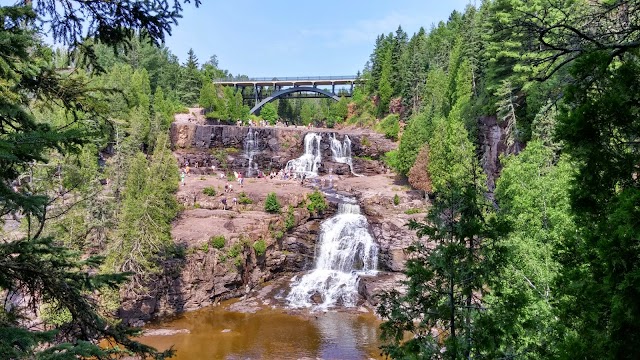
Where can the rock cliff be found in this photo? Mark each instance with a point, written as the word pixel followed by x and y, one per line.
pixel 223 146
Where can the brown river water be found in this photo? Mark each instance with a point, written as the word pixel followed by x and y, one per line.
pixel 216 333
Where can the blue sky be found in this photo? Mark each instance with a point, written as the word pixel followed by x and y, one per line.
pixel 298 38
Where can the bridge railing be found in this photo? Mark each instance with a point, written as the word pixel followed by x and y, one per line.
pixel 298 78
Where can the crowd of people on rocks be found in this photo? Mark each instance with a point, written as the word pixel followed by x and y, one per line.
pixel 239 178
pixel 264 123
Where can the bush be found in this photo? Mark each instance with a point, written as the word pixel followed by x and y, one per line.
pixel 260 247
pixel 218 241
pixel 391 159
pixel 210 191
pixel 413 211
pixel 317 203
pixel 234 251
pixel 278 235
pixel 396 200
pixel 244 199
pixel 290 219
pixel 271 204
pixel 389 126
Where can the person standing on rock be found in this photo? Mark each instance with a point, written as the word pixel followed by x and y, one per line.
pixel 224 203
pixel 182 175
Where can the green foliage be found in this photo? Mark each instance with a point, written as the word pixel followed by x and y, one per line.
pixel 389 126
pixel 533 192
pixel 260 247
pixel 235 250
pixel 278 235
pixel 271 204
pixel 148 207
pixel 317 202
pixel 208 96
pixel 190 81
pixel 217 241
pixel 450 153
pixel 413 138
pixel 244 199
pixel 269 112
pixel 391 159
pixel 209 191
pixel 413 211
pixel 396 200
pixel 35 264
pixel 53 314
pixel 290 219
pixel 444 277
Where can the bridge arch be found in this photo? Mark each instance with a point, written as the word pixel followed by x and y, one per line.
pixel 282 92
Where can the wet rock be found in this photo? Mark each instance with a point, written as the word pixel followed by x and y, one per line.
pixel 165 332
pixel 316 298
pixel 370 287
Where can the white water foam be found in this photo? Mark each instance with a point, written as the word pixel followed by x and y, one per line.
pixel 308 163
pixel 341 151
pixel 251 148
pixel 345 250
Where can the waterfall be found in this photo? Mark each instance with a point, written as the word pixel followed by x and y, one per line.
pixel 307 163
pixel 341 151
pixel 251 148
pixel 345 249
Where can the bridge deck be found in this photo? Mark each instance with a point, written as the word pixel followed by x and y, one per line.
pixel 290 81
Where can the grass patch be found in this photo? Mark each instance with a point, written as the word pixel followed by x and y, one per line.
pixel 413 211
pixel 260 247
pixel 209 191
pixel 217 241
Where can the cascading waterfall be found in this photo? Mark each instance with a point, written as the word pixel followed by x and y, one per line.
pixel 345 250
pixel 308 163
pixel 251 148
pixel 341 151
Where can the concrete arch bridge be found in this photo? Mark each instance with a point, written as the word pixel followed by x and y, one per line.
pixel 260 91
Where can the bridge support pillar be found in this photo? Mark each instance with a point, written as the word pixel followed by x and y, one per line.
pixel 333 87
pixel 351 88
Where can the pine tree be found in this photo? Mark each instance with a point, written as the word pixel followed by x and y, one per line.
pixel 190 80
pixel 36 266
pixel 444 281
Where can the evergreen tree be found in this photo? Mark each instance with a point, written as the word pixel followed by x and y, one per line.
pixel 190 80
pixel 533 193
pixel 445 281
pixel 397 52
pixel 35 266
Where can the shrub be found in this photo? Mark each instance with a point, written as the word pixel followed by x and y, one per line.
pixel 234 251
pixel 271 204
pixel 413 211
pixel 290 219
pixel 244 199
pixel 210 191
pixel 260 247
pixel 205 247
pixel 278 235
pixel 317 203
pixel 390 127
pixel 396 199
pixel 218 241
pixel 391 159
